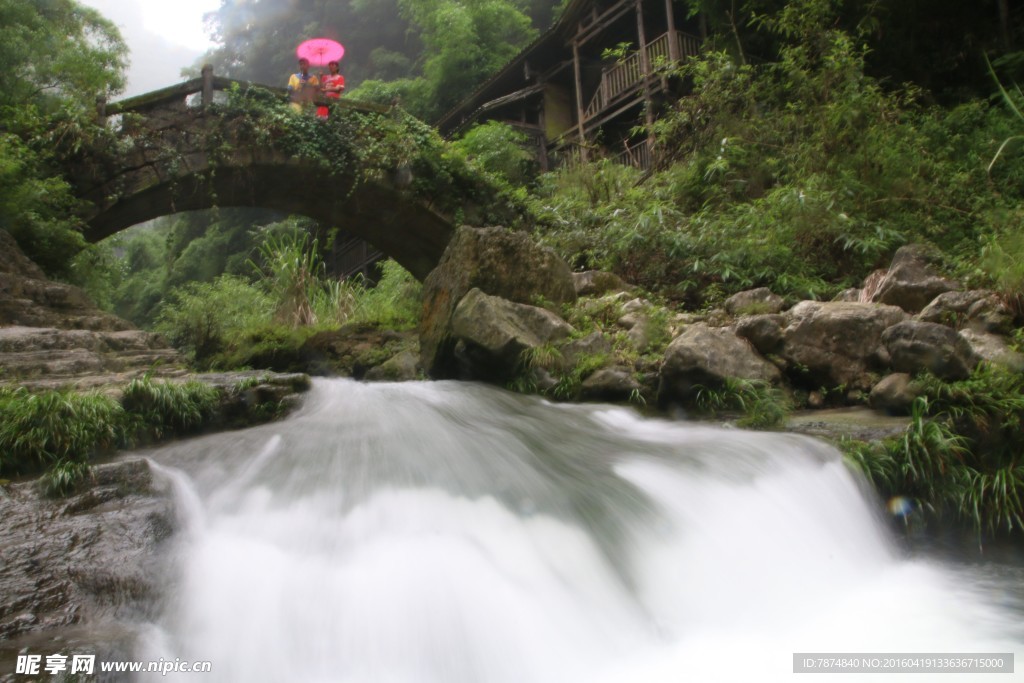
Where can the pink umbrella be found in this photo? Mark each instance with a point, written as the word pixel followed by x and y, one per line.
pixel 320 51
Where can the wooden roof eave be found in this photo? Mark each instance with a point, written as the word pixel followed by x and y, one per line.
pixel 558 33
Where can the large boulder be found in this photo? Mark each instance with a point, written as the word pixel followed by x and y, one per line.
pixel 492 333
pixel 913 280
pixel 833 343
pixel 498 262
pixel 916 346
pixel 707 356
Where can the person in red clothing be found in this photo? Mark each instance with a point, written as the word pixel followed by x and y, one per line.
pixel 332 84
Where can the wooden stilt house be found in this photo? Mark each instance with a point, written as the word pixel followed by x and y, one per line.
pixel 585 85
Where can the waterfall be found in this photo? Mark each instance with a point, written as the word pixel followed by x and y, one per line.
pixel 453 533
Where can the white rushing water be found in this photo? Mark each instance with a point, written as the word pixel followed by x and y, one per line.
pixel 453 533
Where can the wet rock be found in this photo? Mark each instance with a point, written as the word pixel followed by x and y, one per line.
pixel 835 424
pixel 402 367
pixel 90 559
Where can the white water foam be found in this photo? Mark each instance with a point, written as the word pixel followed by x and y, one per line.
pixel 451 533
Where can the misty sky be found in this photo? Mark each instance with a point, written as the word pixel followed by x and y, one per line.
pixel 164 36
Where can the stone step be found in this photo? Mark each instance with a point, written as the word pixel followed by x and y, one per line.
pixel 14 339
pixel 64 363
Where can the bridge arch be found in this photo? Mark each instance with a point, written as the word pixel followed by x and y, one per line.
pixel 168 156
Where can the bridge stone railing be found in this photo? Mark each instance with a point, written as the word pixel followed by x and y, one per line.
pixel 182 95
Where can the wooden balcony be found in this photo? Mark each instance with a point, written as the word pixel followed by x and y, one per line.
pixel 627 76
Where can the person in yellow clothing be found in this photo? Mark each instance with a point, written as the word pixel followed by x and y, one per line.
pixel 302 86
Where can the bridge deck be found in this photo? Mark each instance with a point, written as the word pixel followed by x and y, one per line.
pixel 206 85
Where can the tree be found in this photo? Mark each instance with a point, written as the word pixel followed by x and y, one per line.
pixel 58 57
pixel 57 52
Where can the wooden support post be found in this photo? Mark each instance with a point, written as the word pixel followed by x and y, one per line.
pixel 645 65
pixel 579 99
pixel 673 38
pixel 207 85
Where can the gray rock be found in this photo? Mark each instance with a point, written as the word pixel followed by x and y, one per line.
pixel 994 349
pixel 894 394
pixel 598 282
pixel 498 262
pixel 763 331
pixel 594 344
pixel 916 346
pixel 913 280
pixel 402 367
pixel 493 333
pixel 990 314
pixel 610 384
pixel 852 294
pixel 753 302
pixel 708 356
pixel 635 306
pixel 836 343
pixel 950 308
pixel 92 559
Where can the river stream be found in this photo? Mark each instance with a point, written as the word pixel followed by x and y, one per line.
pixel 454 533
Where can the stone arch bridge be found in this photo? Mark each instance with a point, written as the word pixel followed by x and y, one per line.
pixel 375 172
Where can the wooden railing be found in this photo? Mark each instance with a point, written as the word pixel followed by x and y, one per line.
pixel 628 74
pixel 355 256
pixel 638 156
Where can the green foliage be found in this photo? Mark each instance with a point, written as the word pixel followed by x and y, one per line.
pixel 63 478
pixel 546 357
pixel 159 409
pixel 762 405
pixel 802 175
pixel 464 42
pixel 41 430
pixel 201 318
pixel 58 56
pixel 569 383
pixel 291 271
pixel 269 345
pixel 57 52
pixel 499 149
pixel 394 301
pixel 36 208
pixel 961 453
